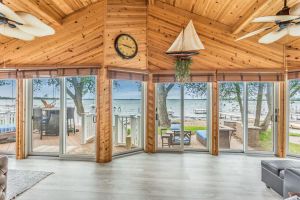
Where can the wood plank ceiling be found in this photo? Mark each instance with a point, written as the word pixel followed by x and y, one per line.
pixel 218 22
pixel 78 39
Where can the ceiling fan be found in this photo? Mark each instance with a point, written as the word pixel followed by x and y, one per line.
pixel 22 25
pixel 287 22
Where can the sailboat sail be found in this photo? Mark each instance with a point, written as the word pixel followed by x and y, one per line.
pixel 187 41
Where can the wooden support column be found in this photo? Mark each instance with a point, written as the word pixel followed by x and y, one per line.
pixel 104 121
pixel 20 130
pixel 215 119
pixel 282 111
pixel 151 117
pixel 282 114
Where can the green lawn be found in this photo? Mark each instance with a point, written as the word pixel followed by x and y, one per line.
pixel 294 148
pixel 266 140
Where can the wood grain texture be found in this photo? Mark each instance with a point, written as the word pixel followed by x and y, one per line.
pixel 104 119
pixel 20 121
pixel 130 17
pixel 78 41
pixel 150 120
pixel 215 119
pixel 222 51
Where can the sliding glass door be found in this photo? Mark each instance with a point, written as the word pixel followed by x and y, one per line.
pixel 231 116
pixel 63 116
pixel 8 116
pixel 294 117
pixel 168 116
pixel 80 115
pixel 246 116
pixel 45 117
pixel 260 105
pixel 127 116
pixel 181 116
pixel 196 113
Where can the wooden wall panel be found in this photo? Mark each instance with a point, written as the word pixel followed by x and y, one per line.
pixel 293 55
pixel 151 118
pixel 78 42
pixel 222 51
pixel 126 16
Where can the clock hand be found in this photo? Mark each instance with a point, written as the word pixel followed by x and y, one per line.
pixel 126 46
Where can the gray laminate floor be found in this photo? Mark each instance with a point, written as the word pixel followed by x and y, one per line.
pixel 158 176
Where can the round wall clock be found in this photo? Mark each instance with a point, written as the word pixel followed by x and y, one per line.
pixel 126 46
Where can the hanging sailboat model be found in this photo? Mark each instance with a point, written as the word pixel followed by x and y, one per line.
pixel 186 45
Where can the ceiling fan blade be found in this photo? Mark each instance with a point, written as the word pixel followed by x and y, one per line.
pixel 295 10
pixel 253 33
pixel 294 30
pixel 33 26
pixel 273 36
pixel 276 18
pixel 15 33
pixel 10 14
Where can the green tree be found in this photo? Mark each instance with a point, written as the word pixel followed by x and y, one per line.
pixel 76 88
pixel 192 89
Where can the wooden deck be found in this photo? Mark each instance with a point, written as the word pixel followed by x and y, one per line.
pixel 50 144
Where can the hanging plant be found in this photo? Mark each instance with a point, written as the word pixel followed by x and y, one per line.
pixel 182 69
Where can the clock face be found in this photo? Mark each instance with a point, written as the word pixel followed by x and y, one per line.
pixel 126 46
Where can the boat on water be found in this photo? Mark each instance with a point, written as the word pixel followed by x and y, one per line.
pixel 199 111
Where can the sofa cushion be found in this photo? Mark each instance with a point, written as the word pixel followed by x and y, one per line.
pixel 275 166
pixel 296 172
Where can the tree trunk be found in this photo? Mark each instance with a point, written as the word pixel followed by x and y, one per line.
pixel 239 99
pixel 259 99
pixel 265 125
pixel 79 104
pixel 163 116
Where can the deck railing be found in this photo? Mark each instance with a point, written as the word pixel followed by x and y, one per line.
pixel 126 125
pixel 7 121
pixel 88 128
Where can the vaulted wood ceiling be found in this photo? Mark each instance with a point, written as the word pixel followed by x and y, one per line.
pixel 83 27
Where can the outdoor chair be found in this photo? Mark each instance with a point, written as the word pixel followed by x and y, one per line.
pixel 165 138
pixel 186 138
pixel 39 120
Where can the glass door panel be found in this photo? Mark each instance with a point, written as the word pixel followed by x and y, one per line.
pixel 127 115
pixel 260 116
pixel 8 116
pixel 294 118
pixel 169 106
pixel 231 109
pixel 45 115
pixel 195 116
pixel 80 115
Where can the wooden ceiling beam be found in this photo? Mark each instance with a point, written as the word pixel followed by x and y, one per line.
pixel 258 7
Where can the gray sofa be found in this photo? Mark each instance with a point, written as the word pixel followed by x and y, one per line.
pixel 282 176
pixel 3 176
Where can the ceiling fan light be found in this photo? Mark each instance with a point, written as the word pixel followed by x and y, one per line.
pixel 32 25
pixel 273 36
pixel 15 33
pixel 294 30
pixel 10 14
pixel 276 18
pixel 253 33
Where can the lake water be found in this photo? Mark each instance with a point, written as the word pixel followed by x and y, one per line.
pixel 132 107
